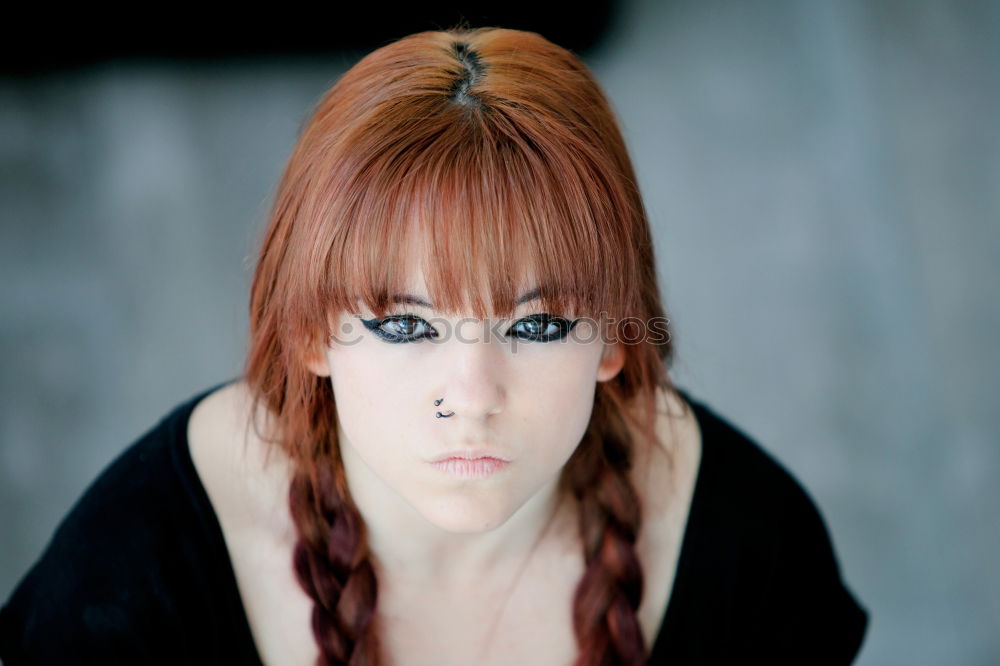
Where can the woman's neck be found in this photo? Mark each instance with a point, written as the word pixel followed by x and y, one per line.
pixel 409 549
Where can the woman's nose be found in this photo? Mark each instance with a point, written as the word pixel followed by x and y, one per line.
pixel 473 381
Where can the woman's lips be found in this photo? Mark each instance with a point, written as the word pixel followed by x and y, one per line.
pixel 470 468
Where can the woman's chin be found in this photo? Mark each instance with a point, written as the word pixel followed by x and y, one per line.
pixel 465 516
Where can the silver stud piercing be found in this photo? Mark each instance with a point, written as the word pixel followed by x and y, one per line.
pixel 439 414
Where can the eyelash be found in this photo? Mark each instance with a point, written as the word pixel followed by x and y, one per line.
pixel 542 319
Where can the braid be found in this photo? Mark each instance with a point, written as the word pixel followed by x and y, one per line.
pixel 610 591
pixel 333 565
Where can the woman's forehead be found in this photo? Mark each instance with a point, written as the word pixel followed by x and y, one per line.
pixel 413 290
pixel 420 259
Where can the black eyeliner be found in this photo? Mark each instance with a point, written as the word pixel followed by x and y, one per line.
pixel 375 326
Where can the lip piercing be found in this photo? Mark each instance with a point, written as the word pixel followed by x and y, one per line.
pixel 439 414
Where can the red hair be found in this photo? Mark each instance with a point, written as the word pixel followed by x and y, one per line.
pixel 501 147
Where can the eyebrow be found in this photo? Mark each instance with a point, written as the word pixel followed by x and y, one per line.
pixel 410 299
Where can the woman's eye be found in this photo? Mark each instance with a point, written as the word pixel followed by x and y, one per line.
pixel 542 328
pixel 400 328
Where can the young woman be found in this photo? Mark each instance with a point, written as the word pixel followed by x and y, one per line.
pixel 455 440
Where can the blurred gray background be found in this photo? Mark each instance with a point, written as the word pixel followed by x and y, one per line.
pixel 823 181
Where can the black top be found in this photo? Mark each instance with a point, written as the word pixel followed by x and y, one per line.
pixel 138 571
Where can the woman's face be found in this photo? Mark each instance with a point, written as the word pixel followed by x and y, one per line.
pixel 523 400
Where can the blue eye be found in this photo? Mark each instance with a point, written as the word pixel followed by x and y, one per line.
pixel 540 327
pixel 543 328
pixel 404 326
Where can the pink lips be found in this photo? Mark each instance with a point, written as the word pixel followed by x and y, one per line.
pixel 470 468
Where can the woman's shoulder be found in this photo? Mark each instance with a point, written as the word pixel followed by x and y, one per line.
pixel 742 483
pixel 733 477
pixel 122 565
pixel 245 476
pixel 758 545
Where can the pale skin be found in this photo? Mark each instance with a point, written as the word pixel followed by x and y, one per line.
pixel 447 550
pixel 532 406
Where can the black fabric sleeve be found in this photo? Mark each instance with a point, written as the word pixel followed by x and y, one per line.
pixel 55 626
pixel 94 595
pixel 137 572
pixel 757 580
pixel 807 615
